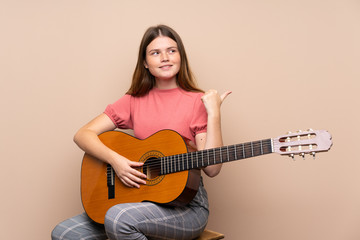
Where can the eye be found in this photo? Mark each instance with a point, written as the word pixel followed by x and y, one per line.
pixel 172 51
pixel 154 53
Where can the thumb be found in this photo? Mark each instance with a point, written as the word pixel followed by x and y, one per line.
pixel 224 95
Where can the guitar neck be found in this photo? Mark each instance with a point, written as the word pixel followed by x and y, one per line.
pixel 200 159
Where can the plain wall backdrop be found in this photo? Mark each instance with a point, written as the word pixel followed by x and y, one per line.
pixel 290 64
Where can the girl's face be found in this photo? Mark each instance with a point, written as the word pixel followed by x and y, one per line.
pixel 163 59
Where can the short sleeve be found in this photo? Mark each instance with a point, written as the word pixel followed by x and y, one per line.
pixel 199 121
pixel 120 112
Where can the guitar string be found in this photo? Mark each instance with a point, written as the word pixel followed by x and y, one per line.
pixel 209 154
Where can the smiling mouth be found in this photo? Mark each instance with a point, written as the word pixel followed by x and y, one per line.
pixel 165 66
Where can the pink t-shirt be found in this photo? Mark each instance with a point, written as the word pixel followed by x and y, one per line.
pixel 174 109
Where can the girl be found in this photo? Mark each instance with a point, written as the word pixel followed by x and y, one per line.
pixel 163 95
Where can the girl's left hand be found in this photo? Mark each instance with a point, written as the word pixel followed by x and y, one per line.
pixel 212 101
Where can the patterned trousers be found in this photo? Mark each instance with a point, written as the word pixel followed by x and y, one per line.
pixel 141 221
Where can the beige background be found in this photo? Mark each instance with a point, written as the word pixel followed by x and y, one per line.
pixel 290 64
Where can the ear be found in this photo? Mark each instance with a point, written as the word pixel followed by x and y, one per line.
pixel 145 64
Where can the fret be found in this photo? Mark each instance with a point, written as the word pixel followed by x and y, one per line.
pixel 168 164
pixel 175 162
pixel 196 159
pixel 235 147
pixel 239 154
pixel 208 158
pixel 243 149
pixel 202 158
pixel 205 155
pixel 223 154
pixel 192 161
pixel 259 148
pixel 187 161
pixel 233 153
pixel 218 156
pixel 227 151
pixel 179 163
pixel 171 164
pixel 183 165
pixel 220 152
pixel 268 147
pixel 252 149
pixel 214 154
pixel 177 168
pixel 248 149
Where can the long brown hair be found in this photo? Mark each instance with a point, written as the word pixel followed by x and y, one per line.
pixel 143 81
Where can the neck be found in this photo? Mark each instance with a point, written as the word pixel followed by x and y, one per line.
pixel 166 83
pixel 207 157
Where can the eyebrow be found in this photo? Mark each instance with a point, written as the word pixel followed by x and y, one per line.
pixel 156 49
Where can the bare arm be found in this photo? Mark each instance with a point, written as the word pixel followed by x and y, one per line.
pixel 87 139
pixel 213 137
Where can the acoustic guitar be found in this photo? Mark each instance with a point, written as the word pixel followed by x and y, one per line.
pixel 173 174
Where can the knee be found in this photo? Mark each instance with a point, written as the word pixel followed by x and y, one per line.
pixel 113 218
pixel 56 233
pixel 118 222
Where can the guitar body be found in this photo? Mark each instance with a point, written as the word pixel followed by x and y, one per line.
pixel 173 189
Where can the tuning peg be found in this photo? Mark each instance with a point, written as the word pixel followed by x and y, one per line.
pixel 303 155
pixel 313 154
pixel 310 130
pixel 292 156
pixel 309 134
pixel 298 136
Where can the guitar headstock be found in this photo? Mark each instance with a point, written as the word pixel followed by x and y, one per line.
pixel 303 142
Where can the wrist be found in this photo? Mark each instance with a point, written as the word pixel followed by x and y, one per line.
pixel 215 116
pixel 114 158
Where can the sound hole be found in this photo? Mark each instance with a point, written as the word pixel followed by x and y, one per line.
pixel 151 168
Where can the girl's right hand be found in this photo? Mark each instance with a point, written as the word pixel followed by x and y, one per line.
pixel 127 172
pixel 87 139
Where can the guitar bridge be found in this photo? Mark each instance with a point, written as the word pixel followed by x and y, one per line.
pixel 110 182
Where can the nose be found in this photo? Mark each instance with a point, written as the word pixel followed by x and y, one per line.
pixel 164 57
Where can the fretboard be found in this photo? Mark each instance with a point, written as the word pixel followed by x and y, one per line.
pixel 199 159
